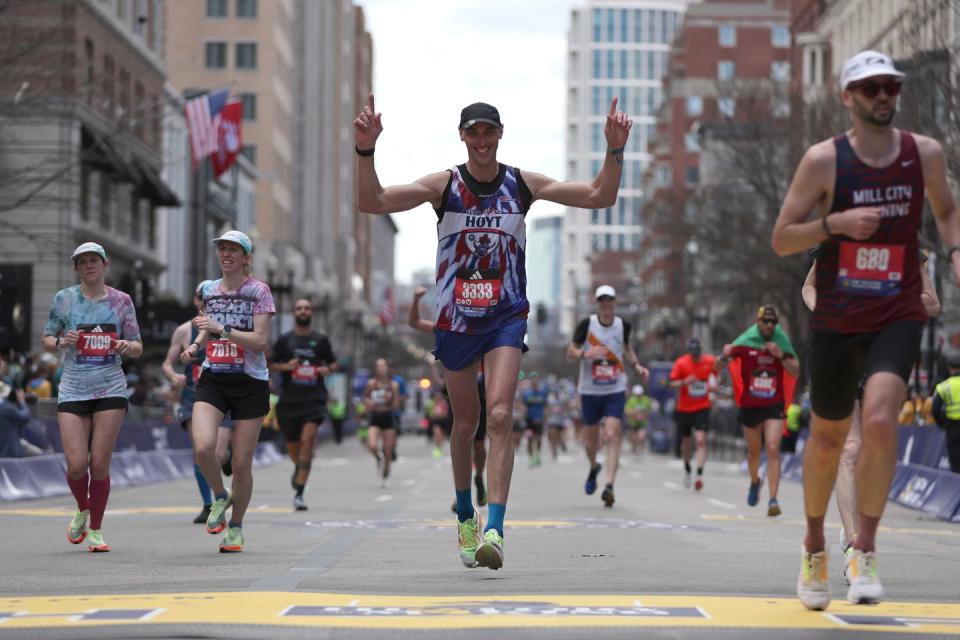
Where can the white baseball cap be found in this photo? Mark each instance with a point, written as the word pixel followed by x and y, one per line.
pixel 867 64
pixel 236 237
pixel 638 390
pixel 89 247
pixel 605 290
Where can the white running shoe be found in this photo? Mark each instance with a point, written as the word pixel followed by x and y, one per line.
pixel 865 586
pixel 687 481
pixel 813 587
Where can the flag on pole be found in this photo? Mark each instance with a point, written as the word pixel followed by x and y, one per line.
pixel 201 112
pixel 387 308
pixel 228 137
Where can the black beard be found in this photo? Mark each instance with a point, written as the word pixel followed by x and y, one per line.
pixel 303 321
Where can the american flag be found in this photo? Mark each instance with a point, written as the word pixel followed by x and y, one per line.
pixel 203 119
pixel 387 308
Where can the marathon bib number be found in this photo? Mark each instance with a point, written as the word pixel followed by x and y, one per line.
pixel 97 344
pixel 381 397
pixel 225 356
pixel 476 293
pixel 698 389
pixel 604 372
pixel 870 269
pixel 305 374
pixel 763 385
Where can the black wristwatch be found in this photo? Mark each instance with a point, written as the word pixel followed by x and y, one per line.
pixel 226 331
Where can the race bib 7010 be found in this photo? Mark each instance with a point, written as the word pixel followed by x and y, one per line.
pixel 225 356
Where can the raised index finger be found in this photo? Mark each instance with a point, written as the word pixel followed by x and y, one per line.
pixel 370 103
pixel 613 106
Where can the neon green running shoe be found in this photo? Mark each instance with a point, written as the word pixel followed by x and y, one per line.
pixel 95 541
pixel 233 541
pixel 470 539
pixel 437 453
pixel 217 521
pixel 77 530
pixel 490 552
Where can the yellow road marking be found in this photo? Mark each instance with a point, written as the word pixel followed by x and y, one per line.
pixel 459 612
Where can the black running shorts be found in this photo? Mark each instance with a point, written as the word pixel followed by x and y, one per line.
pixel 237 393
pixel 837 362
pixel 755 416
pixel 90 407
pixel 688 421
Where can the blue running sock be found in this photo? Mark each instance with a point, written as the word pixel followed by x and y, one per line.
pixel 222 496
pixel 495 514
pixel 464 505
pixel 237 525
pixel 205 493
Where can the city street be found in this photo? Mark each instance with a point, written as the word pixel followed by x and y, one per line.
pixel 364 562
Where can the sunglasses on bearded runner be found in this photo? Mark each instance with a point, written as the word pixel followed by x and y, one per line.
pixel 770 321
pixel 871 89
pixel 606 298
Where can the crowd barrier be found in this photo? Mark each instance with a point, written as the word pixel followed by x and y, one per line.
pixel 150 448
pixel 922 479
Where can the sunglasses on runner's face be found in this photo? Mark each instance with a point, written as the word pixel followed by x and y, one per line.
pixel 872 89
pixel 770 321
pixel 605 298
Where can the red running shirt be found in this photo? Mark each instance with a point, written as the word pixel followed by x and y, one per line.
pixel 696 396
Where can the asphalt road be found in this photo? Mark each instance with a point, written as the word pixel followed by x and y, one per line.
pixel 364 562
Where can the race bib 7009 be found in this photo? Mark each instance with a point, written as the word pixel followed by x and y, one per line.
pixel 97 344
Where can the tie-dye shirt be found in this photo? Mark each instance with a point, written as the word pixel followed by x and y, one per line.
pixel 91 369
pixel 236 309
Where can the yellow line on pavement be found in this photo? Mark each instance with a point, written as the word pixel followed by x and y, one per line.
pixel 365 611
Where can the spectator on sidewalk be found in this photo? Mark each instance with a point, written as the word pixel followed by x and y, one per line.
pixel 14 416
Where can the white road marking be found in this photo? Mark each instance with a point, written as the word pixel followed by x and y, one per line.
pixel 384 498
pixel 721 503
pixel 671 485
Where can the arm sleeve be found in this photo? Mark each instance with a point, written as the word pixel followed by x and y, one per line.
pixel 580 333
pixel 56 321
pixel 326 352
pixel 280 351
pixel 939 411
pixel 130 328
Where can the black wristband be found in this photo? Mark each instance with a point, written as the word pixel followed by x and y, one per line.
pixel 951 251
pixel 58 341
pixel 364 153
pixel 617 151
pixel 826 229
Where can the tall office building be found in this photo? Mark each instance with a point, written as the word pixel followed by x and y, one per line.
pixel 615 48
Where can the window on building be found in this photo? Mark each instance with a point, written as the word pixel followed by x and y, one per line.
pixel 611 27
pixel 652 26
pixel 663 176
pixel 608 216
pixel 89 62
pixel 596 137
pixel 780 37
pixel 694 106
pixel 638 25
pixel 249 151
pixel 727 35
pixel 106 202
pixel 692 175
pixel 594 216
pixel 216 8
pixel 595 167
pixel 651 65
pixel 597 56
pixel 610 64
pixel 216 55
pixel 726 106
pixel 726 70
pixel 246 55
pixel 622 210
pixel 691 141
pixel 246 8
pixel 624 34
pixel 598 25
pixel 780 71
pixel 84 191
pixel 624 66
pixel 595 241
pixel 781 107
pixel 249 101
pixel 664 20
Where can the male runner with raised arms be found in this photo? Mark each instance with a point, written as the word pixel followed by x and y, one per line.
pixel 481 285
pixel 304 358
pixel 601 343
pixel 868 186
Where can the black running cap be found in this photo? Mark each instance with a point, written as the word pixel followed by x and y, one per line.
pixel 479 112
pixel 693 345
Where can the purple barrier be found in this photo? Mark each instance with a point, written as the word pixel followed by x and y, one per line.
pixel 921 446
pixel 43 476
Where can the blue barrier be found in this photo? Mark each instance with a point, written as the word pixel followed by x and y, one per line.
pixel 921 481
pixel 43 476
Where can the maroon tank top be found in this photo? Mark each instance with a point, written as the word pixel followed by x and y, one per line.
pixel 865 286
